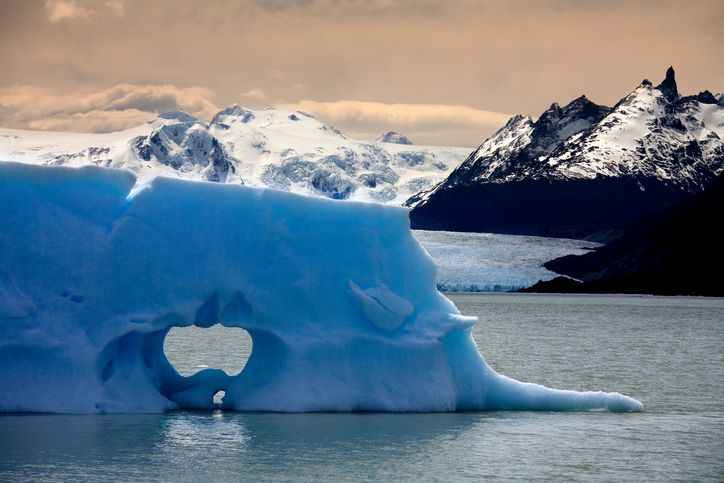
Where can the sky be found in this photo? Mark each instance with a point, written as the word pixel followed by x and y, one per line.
pixel 446 72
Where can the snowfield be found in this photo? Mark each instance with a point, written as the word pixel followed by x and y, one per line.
pixel 275 148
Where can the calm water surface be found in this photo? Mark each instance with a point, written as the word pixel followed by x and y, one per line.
pixel 667 352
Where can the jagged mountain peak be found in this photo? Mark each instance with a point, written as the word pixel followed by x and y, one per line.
pixel 393 137
pixel 582 102
pixel 584 167
pixel 706 97
pixel 179 116
pixel 521 142
pixel 580 107
pixel 182 142
pixel 232 113
pixel 668 85
pixel 514 121
pixel 554 107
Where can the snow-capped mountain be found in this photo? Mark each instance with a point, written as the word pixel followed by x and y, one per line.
pixel 519 146
pixel 268 147
pixel 583 167
pixel 393 137
pixel 183 143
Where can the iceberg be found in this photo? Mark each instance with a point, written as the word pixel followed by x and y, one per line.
pixel 339 299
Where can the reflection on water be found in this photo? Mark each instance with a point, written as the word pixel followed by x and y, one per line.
pixel 665 351
pixel 178 445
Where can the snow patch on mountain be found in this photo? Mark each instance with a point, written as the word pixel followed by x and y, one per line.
pixel 268 147
pixel 652 133
pixel 394 138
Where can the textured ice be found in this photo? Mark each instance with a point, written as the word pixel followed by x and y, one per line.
pixel 339 299
pixel 487 262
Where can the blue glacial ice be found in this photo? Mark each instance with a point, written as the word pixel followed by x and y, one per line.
pixel 339 299
pixel 488 262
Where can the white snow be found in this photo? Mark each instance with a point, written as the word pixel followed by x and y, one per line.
pixel 487 262
pixel 268 147
pixel 633 140
pixel 645 135
pixel 339 299
pixel 497 148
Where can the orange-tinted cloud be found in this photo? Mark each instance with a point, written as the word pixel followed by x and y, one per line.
pixel 118 107
pixel 513 56
pixel 69 10
pixel 424 123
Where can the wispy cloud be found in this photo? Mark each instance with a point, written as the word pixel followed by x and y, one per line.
pixel 119 107
pixel 363 7
pixel 126 105
pixel 60 10
pixel 424 123
pixel 57 10
pixel 255 94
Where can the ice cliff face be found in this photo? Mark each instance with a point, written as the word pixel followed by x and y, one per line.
pixel 653 141
pixel 281 149
pixel 339 300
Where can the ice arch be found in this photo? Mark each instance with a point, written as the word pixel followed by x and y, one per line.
pixel 339 299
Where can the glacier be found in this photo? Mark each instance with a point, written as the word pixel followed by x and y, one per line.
pixel 339 299
pixel 491 262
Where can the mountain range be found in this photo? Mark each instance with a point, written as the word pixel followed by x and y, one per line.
pixel 583 170
pixel 287 150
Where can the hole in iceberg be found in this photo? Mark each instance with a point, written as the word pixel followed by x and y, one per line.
pixel 193 349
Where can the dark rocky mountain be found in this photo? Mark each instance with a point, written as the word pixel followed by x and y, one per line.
pixel 583 170
pixel 677 251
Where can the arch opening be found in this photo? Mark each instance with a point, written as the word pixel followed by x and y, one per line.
pixel 193 349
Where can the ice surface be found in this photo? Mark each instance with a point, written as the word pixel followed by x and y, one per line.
pixel 487 262
pixel 339 299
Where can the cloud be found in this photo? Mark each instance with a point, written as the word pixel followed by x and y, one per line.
pixel 255 94
pixel 59 10
pixel 92 121
pixel 424 123
pixel 360 7
pixel 116 7
pixel 118 107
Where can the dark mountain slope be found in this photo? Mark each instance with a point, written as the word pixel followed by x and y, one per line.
pixel 583 169
pixel 679 251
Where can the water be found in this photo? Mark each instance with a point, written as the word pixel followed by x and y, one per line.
pixel 191 349
pixel 667 352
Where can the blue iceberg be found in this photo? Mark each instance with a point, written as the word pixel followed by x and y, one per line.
pixel 339 299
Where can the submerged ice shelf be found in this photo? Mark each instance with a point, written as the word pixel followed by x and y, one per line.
pixel 339 299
